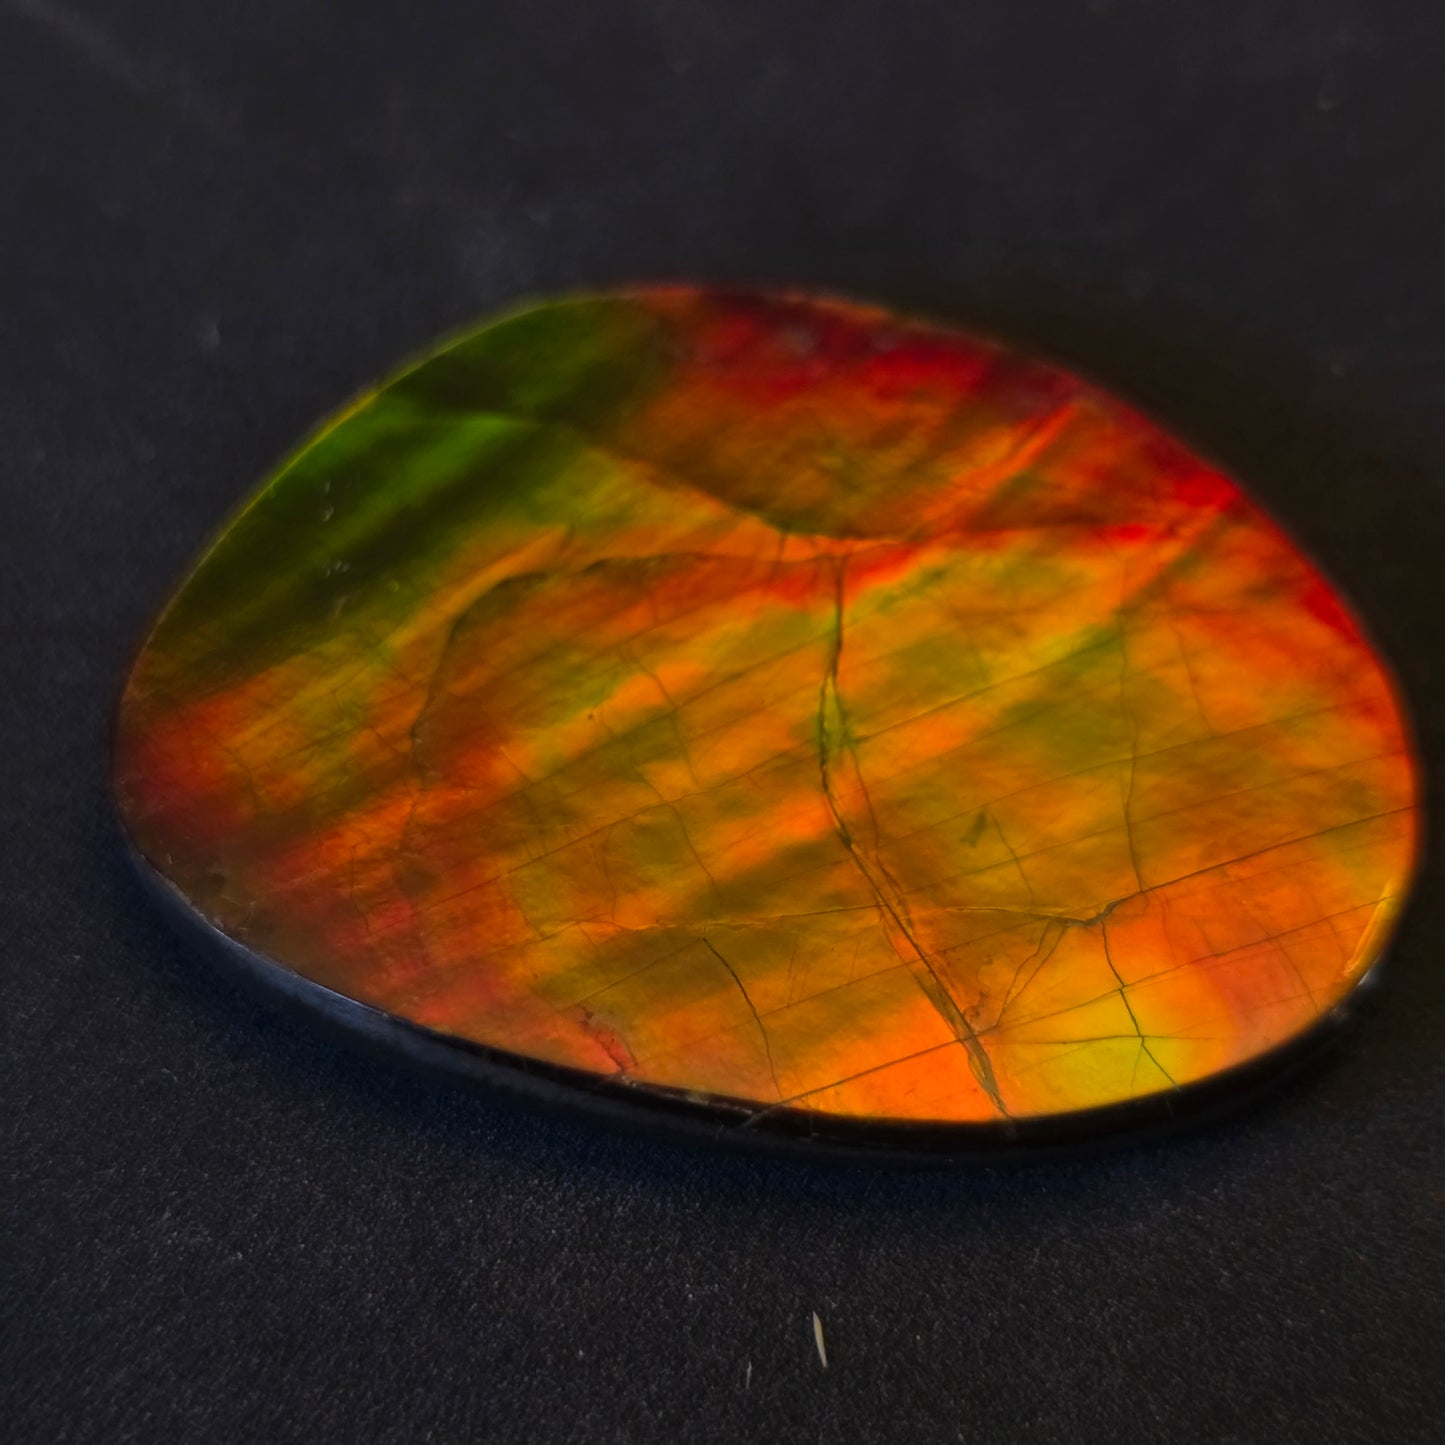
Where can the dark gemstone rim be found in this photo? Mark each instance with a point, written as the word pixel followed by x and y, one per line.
pixel 684 1117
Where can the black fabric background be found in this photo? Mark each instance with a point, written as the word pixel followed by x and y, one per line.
pixel 217 221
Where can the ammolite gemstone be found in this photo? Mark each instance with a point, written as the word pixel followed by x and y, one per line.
pixel 783 714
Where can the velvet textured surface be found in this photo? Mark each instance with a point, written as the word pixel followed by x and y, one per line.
pixel 217 1224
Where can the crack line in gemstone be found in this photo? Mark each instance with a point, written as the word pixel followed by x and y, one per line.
pixel 830 706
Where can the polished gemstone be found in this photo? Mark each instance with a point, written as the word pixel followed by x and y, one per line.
pixel 779 710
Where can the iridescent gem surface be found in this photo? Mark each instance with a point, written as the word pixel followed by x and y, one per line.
pixel 778 703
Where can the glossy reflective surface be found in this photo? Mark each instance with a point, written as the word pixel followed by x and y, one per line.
pixel 777 702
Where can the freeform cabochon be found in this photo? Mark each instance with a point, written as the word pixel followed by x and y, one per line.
pixel 777 713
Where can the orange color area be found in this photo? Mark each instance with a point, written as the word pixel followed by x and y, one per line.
pixel 857 719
